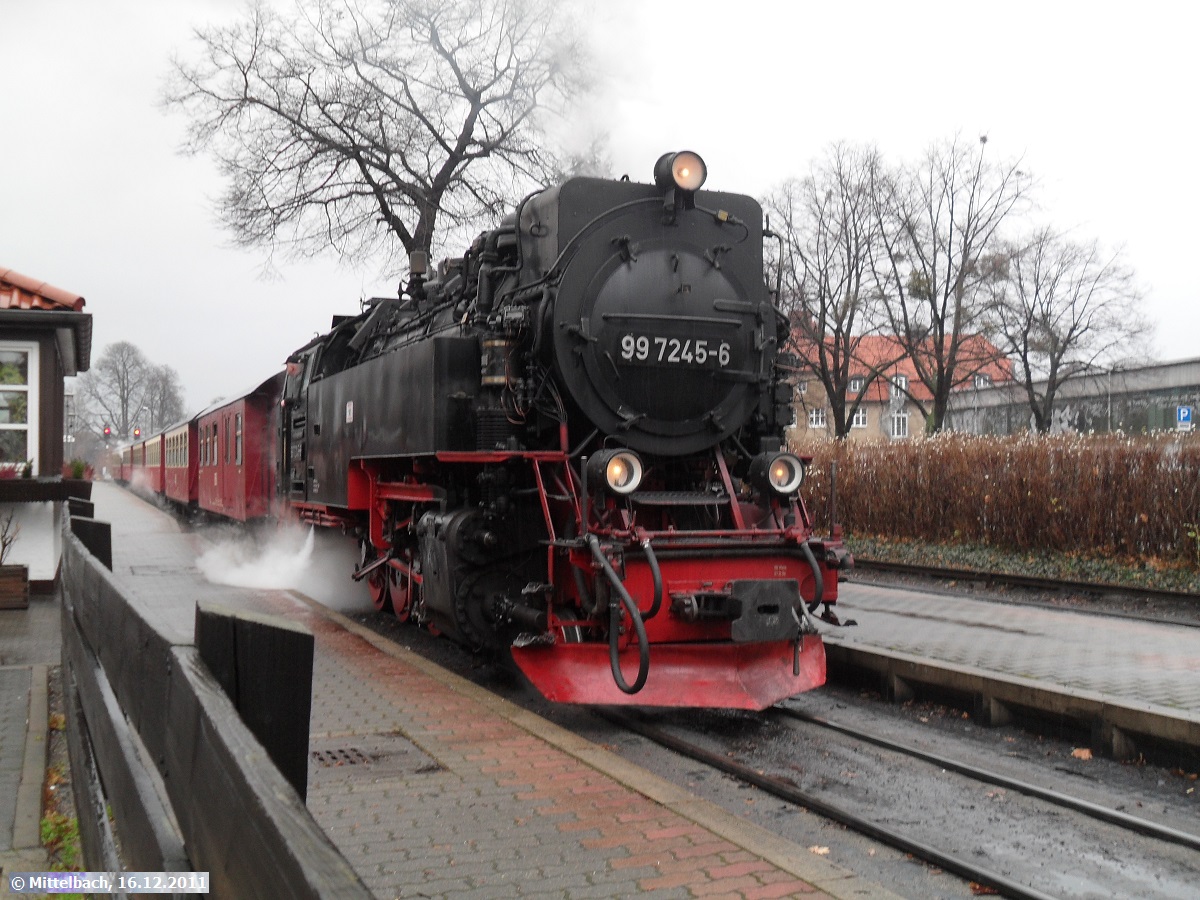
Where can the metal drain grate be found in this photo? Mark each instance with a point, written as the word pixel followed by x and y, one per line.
pixel 340 756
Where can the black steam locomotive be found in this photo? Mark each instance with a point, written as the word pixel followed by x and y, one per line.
pixel 568 444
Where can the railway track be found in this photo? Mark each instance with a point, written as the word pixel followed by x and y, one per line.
pixel 903 839
pixel 1057 798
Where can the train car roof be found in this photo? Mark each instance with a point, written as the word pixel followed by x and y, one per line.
pixel 238 395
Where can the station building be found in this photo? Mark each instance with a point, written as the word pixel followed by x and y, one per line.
pixel 44 337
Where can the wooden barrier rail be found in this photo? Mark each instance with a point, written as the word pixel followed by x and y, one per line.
pixel 154 737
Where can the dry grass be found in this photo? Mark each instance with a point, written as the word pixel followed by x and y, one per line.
pixel 1133 497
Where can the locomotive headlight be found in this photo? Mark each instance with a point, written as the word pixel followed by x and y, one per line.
pixel 780 473
pixel 620 471
pixel 684 170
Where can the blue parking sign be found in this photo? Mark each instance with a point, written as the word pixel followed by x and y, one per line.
pixel 1183 417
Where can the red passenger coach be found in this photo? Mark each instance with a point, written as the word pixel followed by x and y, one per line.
pixel 154 464
pixel 181 464
pixel 137 466
pixel 236 448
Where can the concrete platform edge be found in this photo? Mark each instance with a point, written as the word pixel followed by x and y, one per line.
pixel 1177 725
pixel 834 880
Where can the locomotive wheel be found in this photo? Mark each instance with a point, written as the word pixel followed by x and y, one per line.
pixel 377 586
pixel 377 581
pixel 400 594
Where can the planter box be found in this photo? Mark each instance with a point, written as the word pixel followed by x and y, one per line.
pixel 14 587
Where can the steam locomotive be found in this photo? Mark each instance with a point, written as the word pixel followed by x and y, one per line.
pixel 567 445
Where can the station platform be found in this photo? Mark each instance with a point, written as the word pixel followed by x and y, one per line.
pixel 1129 677
pixel 433 787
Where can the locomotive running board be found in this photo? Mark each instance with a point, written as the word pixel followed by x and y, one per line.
pixel 737 676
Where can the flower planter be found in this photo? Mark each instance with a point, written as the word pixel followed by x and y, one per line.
pixel 14 587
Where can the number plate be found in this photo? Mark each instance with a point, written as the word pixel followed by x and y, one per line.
pixel 661 350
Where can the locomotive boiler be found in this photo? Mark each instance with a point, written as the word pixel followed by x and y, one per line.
pixel 567 445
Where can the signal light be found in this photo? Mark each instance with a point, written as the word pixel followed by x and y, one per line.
pixel 137 432
pixel 107 431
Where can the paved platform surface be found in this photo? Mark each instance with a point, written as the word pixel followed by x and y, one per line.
pixel 432 787
pixel 29 648
pixel 1127 660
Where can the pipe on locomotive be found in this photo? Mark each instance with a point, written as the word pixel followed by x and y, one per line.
pixel 614 622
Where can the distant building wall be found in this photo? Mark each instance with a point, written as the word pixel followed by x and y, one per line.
pixel 1136 400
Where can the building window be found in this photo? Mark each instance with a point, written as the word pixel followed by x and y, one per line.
pixel 860 418
pixel 18 404
pixel 816 418
pixel 899 385
pixel 801 387
pixel 983 380
pixel 898 426
pixel 857 383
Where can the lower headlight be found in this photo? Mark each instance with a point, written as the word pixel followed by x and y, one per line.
pixel 620 471
pixel 780 473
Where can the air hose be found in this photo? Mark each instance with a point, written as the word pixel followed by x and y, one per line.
pixel 614 635
pixel 818 578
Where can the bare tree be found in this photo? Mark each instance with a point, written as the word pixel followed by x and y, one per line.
pixel 940 228
pixel 828 232
pixel 359 124
pixel 123 391
pixel 1065 308
pixel 163 399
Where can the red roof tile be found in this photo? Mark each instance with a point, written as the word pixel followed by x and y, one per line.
pixel 19 291
pixel 884 352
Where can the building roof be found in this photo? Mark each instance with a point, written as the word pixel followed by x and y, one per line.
pixel 29 305
pixel 19 291
pixel 977 356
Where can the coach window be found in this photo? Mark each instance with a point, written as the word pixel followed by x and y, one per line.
pixel 237 439
pixel 226 433
pixel 18 404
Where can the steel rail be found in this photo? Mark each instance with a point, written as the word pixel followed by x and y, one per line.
pixel 1094 810
pixel 792 794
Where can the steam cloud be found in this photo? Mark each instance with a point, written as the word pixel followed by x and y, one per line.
pixel 279 564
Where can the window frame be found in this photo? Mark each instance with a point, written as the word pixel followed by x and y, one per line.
pixel 32 390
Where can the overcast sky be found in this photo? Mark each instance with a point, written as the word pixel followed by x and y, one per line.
pixel 1099 99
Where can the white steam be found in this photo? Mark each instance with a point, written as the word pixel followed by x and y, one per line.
pixel 280 562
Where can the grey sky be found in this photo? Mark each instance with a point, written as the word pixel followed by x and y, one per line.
pixel 1100 99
